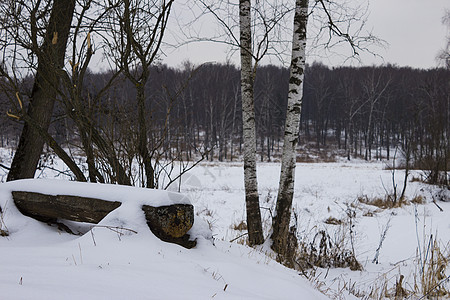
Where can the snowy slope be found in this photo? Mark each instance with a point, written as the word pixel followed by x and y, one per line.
pixel 39 262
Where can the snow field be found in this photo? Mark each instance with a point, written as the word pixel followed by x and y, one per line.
pixel 328 190
pixel 39 262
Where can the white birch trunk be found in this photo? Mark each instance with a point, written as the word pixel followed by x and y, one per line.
pixel 249 128
pixel 291 132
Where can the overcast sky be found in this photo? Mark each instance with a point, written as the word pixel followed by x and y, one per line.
pixel 413 29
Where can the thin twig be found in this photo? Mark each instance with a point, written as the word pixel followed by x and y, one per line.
pixel 383 236
pixel 93 238
pixel 5 167
pixel 115 228
pixel 440 208
pixel 267 208
pixel 242 235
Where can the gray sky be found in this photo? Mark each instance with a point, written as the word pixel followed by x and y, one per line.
pixel 413 29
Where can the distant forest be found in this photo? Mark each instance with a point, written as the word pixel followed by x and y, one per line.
pixel 365 112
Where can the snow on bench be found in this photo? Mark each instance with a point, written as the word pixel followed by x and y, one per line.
pixel 169 215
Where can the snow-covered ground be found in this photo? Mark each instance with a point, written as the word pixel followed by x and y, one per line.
pixel 330 190
pixel 39 262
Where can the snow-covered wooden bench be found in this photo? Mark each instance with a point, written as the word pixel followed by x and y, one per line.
pixel 168 215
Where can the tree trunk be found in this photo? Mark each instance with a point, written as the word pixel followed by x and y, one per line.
pixel 291 132
pixel 351 137
pixel 142 136
pixel 56 147
pixel 254 224
pixel 387 142
pixel 50 60
pixel 106 147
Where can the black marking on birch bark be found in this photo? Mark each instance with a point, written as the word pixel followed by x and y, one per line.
pixel 296 81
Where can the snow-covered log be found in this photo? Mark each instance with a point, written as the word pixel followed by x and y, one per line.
pixel 171 223
pixel 49 208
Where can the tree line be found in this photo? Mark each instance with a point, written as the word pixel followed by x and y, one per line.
pixel 356 112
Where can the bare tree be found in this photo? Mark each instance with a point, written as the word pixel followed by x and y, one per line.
pixel 374 88
pixel 353 107
pixel 138 36
pixel 42 29
pixel 443 56
pixel 322 98
pixel 137 40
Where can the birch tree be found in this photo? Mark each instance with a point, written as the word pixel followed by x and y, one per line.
pixel 259 26
pixel 295 95
pixel 248 126
pixel 282 218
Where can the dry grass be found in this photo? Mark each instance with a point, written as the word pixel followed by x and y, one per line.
pixel 319 249
pixel 243 240
pixel 310 154
pixel 400 292
pixel 208 215
pixel 418 200
pixel 3 229
pixel 431 280
pixel 382 288
pixel 383 203
pixel 239 227
pixel 387 202
pixel 333 221
pixel 324 252
pixel 305 159
pixel 370 213
pixel 206 212
pixel 416 179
